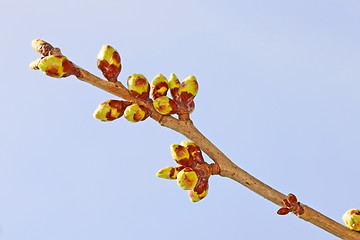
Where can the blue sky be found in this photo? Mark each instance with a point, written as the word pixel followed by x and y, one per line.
pixel 279 95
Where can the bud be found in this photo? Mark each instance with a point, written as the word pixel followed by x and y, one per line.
pixel 136 113
pixel 174 85
pixel 283 211
pixel 194 151
pixel 352 219
pixel 35 64
pixel 200 191
pixel 57 66
pixel 109 62
pixel 110 110
pixel 169 172
pixel 159 86
pixel 292 199
pixel 165 105
pixel 138 86
pixel 41 46
pixel 188 90
pixel 181 155
pixel 187 178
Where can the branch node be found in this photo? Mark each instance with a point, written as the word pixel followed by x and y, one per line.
pixel 291 204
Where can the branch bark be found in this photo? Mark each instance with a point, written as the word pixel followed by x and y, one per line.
pixel 227 167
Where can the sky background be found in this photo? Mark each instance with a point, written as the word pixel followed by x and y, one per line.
pixel 279 95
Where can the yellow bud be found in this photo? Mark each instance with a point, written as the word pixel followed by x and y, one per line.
pixel 352 219
pixel 187 178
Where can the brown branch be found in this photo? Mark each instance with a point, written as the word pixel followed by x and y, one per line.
pixel 227 167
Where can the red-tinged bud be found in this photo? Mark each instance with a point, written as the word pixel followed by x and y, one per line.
pixel 188 90
pixel 181 155
pixel 159 86
pixel 41 47
pixel 187 178
pixel 136 113
pixel 57 66
pixel 352 219
pixel 109 62
pixel 138 86
pixel 200 190
pixel 283 211
pixel 110 110
pixel 174 85
pixel 165 105
pixel 194 151
pixel 292 199
pixel 169 172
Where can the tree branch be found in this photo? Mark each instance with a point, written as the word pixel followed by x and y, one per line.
pixel 227 167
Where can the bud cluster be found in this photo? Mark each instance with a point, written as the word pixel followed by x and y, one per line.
pixel 291 204
pixel 192 173
pixel 182 93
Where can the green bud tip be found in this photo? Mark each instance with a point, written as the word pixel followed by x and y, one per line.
pixel 136 113
pixel 187 178
pixel 138 86
pixel 168 173
pixel 165 105
pixel 352 219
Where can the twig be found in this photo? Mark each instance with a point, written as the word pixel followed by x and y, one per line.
pixel 227 167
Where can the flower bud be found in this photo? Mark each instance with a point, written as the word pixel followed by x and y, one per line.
pixel 195 196
pixel 110 110
pixel 136 113
pixel 159 86
pixel 188 90
pixel 187 178
pixel 109 62
pixel 200 190
pixel 352 219
pixel 57 66
pixel 41 46
pixel 169 172
pixel 174 85
pixel 181 155
pixel 194 151
pixel 138 86
pixel 165 105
